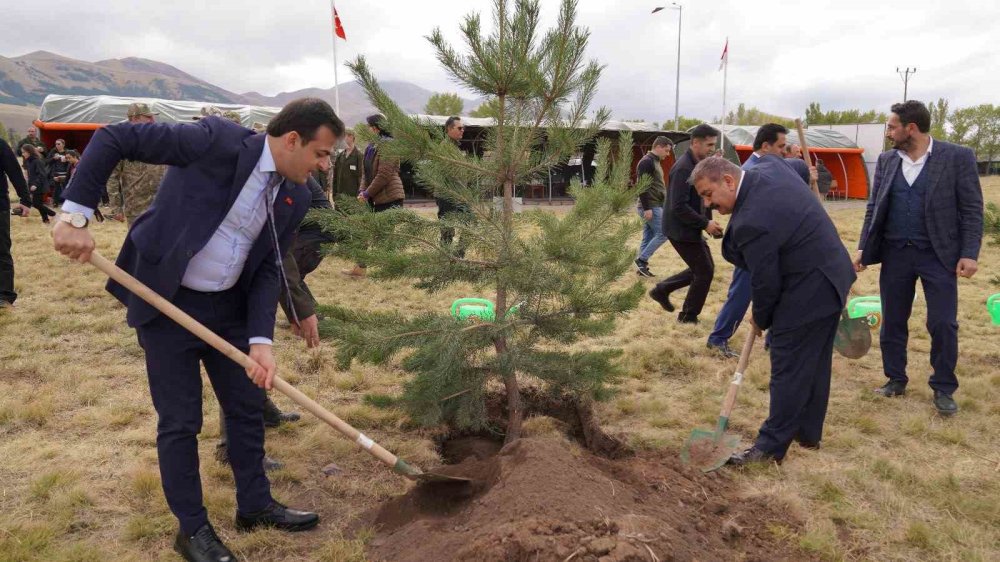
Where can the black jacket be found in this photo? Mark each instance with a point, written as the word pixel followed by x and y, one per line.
pixel 684 214
pixel 9 168
pixel 799 269
pixel 38 174
pixel 656 194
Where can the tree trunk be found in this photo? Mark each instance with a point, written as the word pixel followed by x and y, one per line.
pixel 515 408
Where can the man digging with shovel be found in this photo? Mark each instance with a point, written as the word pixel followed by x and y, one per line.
pixel 210 244
pixel 800 275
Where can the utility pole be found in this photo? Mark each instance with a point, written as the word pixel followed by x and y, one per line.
pixel 905 75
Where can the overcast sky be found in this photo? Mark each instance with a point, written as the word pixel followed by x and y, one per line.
pixel 842 54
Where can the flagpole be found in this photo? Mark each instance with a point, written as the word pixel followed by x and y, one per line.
pixel 725 76
pixel 336 64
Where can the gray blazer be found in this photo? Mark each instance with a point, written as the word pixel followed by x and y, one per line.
pixel 953 205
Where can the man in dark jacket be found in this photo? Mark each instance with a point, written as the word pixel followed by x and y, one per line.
pixel 347 169
pixel 924 221
pixel 684 219
pixel 33 140
pixel 800 275
pixel 651 203
pixel 454 130
pixel 9 168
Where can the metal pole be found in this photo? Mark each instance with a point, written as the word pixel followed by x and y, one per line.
pixel 677 87
pixel 725 76
pixel 905 75
pixel 336 82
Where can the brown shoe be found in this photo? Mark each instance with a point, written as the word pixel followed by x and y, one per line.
pixel 357 271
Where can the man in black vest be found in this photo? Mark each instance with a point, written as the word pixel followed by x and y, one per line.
pixel 924 221
pixel 684 219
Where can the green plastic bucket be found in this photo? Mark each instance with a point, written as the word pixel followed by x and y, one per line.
pixel 869 307
pixel 993 305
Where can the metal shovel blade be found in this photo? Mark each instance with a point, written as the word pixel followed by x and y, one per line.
pixel 413 473
pixel 854 337
pixel 705 451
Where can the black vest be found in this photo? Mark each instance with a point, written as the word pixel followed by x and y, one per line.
pixel 906 221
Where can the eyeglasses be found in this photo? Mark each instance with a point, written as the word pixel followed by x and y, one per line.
pixel 460 128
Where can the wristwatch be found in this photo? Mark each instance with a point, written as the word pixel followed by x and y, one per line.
pixel 78 220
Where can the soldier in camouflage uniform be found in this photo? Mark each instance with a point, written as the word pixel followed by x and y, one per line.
pixel 132 185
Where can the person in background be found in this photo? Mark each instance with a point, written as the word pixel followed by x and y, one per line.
pixel 132 185
pixel 38 180
pixel 33 140
pixel 382 187
pixel 651 202
pixel 924 221
pixel 347 169
pixel 824 179
pixel 58 168
pixel 9 168
pixel 454 130
pixel 684 220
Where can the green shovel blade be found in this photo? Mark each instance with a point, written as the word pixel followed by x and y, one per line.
pixel 706 451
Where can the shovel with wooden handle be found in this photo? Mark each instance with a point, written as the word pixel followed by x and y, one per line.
pixel 813 184
pixel 398 465
pixel 708 449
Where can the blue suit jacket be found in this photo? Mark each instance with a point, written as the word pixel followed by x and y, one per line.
pixel 800 270
pixel 953 205
pixel 210 162
pixel 796 164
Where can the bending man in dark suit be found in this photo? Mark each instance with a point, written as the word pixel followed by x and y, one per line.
pixel 9 168
pixel 226 211
pixel 924 221
pixel 800 274
pixel 684 219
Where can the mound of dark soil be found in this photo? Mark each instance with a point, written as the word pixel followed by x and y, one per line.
pixel 542 499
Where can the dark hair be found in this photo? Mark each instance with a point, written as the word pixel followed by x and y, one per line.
pixel 662 141
pixel 704 131
pixel 305 116
pixel 913 111
pixel 451 122
pixel 73 153
pixel 768 133
pixel 32 149
pixel 378 121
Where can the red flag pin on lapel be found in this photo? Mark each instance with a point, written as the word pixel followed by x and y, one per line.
pixel 288 200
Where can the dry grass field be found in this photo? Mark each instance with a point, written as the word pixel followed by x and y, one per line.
pixel 79 481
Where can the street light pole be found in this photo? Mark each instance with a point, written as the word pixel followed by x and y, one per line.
pixel 677 85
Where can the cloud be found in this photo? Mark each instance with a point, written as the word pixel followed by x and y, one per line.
pixel 782 56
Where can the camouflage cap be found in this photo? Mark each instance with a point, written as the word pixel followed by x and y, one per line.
pixel 213 111
pixel 137 109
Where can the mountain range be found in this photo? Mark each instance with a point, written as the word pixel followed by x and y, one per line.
pixel 26 80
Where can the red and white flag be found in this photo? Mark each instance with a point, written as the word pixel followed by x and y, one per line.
pixel 725 55
pixel 337 27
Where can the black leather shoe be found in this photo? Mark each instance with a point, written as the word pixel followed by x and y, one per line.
pixel 279 517
pixel 203 546
pixel 891 388
pixel 723 349
pixel 662 297
pixel 273 417
pixel 750 456
pixel 687 318
pixel 945 405
pixel 222 455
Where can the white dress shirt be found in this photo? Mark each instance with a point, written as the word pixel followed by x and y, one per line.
pixel 218 266
pixel 912 168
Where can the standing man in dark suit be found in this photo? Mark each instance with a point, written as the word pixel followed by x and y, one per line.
pixel 226 211
pixel 9 168
pixel 684 219
pixel 924 221
pixel 800 275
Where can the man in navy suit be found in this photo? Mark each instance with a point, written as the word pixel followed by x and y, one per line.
pixel 924 221
pixel 800 274
pixel 226 211
pixel 770 139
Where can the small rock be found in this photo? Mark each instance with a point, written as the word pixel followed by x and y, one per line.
pixel 731 531
pixel 718 507
pixel 601 546
pixel 332 470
